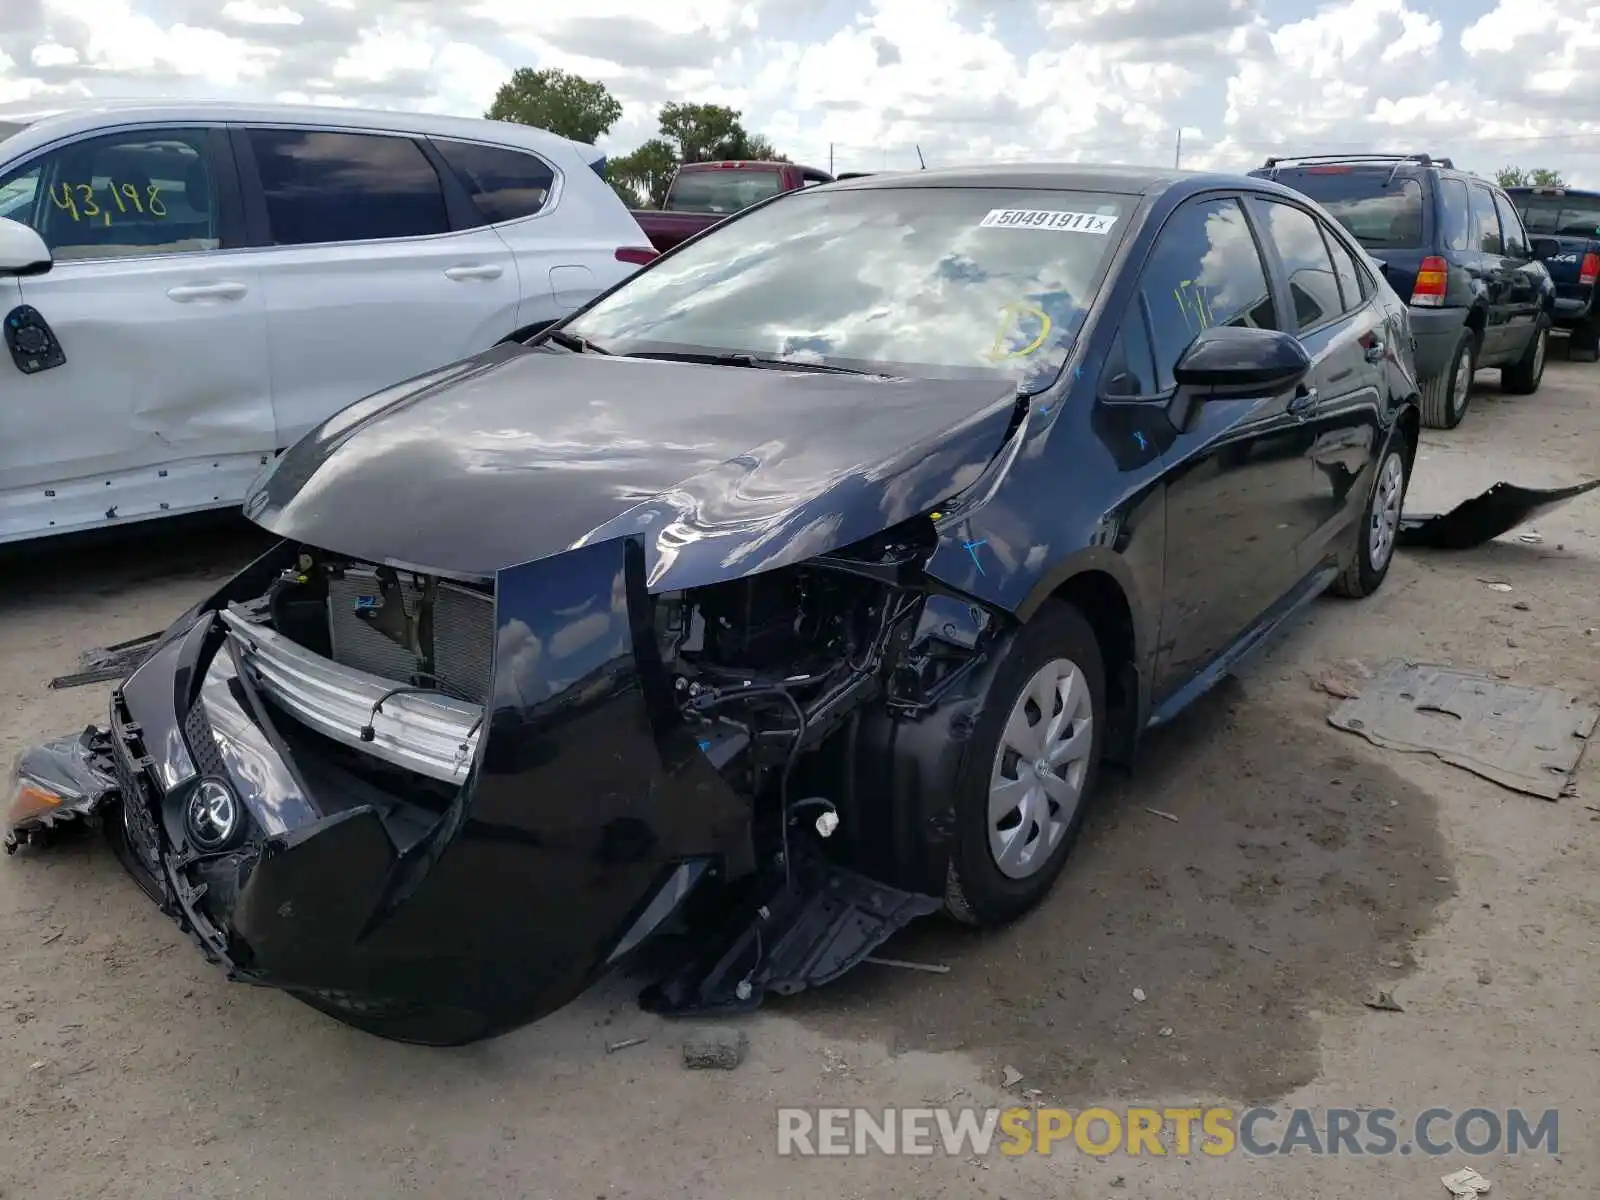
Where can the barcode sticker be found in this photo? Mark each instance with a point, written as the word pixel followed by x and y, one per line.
pixel 1053 220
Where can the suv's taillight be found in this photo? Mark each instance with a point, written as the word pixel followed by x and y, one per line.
pixel 1590 270
pixel 637 255
pixel 1432 278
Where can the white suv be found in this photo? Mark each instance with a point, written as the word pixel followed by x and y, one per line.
pixel 227 276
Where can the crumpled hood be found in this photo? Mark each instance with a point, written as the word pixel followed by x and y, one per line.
pixel 518 454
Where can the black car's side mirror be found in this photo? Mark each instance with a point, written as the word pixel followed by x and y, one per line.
pixel 1235 362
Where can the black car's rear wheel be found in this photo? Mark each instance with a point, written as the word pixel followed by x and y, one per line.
pixel 1022 788
pixel 1445 398
pixel 1375 536
pixel 1522 377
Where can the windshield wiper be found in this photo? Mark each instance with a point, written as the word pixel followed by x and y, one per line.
pixel 571 341
pixel 754 361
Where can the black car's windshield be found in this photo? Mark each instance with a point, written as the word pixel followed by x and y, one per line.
pixel 1563 216
pixel 1379 210
pixel 931 282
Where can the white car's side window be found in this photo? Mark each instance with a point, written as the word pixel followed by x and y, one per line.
pixel 329 186
pixel 504 184
pixel 134 193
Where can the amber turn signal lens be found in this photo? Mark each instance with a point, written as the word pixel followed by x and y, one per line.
pixel 29 800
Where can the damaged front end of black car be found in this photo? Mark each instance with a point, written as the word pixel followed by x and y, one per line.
pixel 434 767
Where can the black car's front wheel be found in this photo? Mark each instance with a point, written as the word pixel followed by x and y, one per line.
pixel 1375 536
pixel 1022 787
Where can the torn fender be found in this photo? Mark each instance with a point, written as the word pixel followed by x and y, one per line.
pixel 1486 516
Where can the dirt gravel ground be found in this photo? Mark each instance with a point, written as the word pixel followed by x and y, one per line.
pixel 1305 867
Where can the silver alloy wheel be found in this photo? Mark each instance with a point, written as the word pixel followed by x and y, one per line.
pixel 1542 338
pixel 1463 380
pixel 1036 783
pixel 1386 502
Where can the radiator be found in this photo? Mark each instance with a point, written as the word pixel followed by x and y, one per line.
pixel 463 633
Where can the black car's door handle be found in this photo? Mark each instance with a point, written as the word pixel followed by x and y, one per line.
pixel 1305 398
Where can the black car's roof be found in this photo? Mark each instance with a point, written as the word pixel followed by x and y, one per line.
pixel 1078 177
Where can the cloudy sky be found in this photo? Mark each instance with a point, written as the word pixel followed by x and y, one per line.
pixel 1489 82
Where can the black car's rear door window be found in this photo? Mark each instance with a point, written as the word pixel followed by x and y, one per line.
pixel 1205 270
pixel 1352 284
pixel 330 186
pixel 1313 284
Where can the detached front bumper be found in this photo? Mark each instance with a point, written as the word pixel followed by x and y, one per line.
pixel 450 911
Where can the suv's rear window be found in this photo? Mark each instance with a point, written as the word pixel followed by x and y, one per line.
pixel 1381 212
pixel 1563 216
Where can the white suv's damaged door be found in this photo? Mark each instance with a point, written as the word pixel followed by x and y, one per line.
pixel 163 402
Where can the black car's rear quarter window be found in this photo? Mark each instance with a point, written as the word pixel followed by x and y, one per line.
pixel 1456 214
pixel 1381 209
pixel 504 183
pixel 1205 270
pixel 326 186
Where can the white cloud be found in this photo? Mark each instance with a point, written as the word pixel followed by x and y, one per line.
pixel 248 12
pixel 873 80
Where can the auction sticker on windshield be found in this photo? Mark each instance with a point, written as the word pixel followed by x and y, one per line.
pixel 1044 218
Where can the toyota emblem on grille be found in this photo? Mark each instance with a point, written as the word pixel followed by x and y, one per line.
pixel 212 815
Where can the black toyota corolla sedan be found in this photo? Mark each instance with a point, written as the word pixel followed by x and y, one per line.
pixel 795 588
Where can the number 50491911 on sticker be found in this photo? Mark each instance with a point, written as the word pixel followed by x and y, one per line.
pixel 1054 220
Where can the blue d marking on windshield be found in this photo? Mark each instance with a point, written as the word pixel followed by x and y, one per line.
pixel 972 549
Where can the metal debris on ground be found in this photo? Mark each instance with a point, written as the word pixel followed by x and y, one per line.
pixel 625 1044
pixel 1258 949
pixel 934 968
pixel 715 1049
pixel 1528 739
pixel 1533 537
pixel 1465 1182
pixel 1383 1001
pixel 105 664
pixel 1165 1031
pixel 1138 995
pixel 1496 586
pixel 1010 1076
pixel 1165 816
pixel 1485 517
pixel 50 937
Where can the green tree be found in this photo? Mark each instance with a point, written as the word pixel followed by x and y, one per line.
pixel 1524 177
pixel 642 177
pixel 711 132
pixel 563 103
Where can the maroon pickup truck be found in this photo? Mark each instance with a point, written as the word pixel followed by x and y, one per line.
pixel 704 193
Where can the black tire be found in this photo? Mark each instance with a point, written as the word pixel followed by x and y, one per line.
pixel 1363 575
pixel 1522 377
pixel 1442 408
pixel 413 1024
pixel 977 892
pixel 1584 345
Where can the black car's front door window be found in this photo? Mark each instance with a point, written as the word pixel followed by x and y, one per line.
pixel 1204 271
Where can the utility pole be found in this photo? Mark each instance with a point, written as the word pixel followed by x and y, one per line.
pixel 1177 151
